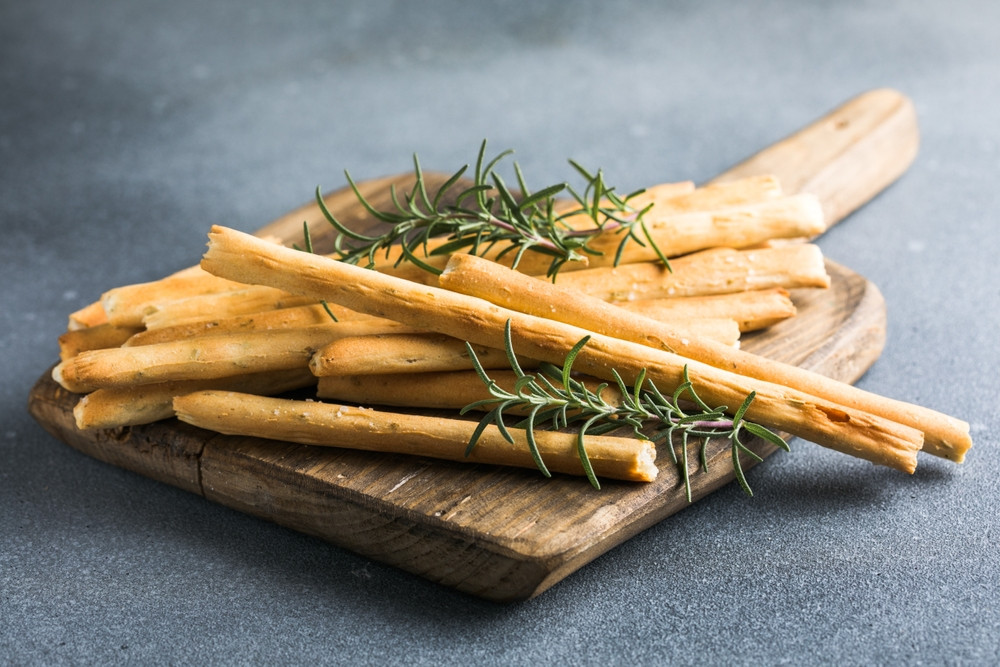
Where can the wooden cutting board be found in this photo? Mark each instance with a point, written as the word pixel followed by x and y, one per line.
pixel 508 534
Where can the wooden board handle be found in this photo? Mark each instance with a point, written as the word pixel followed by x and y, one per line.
pixel 846 157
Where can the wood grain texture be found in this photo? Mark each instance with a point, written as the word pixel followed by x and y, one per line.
pixel 846 157
pixel 498 533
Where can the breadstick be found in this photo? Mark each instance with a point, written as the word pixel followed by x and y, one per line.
pixel 208 357
pixel 715 271
pixel 380 354
pixel 96 337
pixel 723 195
pixel 90 315
pixel 144 404
pixel 445 390
pixel 195 279
pixel 943 435
pixel 127 305
pixel 242 301
pixel 723 330
pixel 327 425
pixel 401 353
pixel 237 256
pixel 752 310
pixel 280 318
pixel 492 282
pixel 742 226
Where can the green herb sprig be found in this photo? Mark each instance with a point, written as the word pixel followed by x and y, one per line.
pixel 553 398
pixel 488 215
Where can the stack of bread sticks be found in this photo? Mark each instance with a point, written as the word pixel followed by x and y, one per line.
pixel 217 345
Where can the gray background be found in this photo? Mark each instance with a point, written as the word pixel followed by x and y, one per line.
pixel 126 128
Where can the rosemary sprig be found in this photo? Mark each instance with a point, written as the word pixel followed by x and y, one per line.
pixel 488 215
pixel 554 398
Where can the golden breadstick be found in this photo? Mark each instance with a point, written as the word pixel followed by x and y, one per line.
pixel 742 226
pixel 237 256
pixel 401 353
pixel 436 390
pixel 723 195
pixel 740 192
pixel 242 301
pixel 380 354
pixel 144 404
pixel 207 357
pixel 492 282
pixel 715 271
pixel 127 305
pixel 90 315
pixel 327 425
pixel 280 318
pixel 96 337
pixel 752 310
pixel 943 435
pixel 187 281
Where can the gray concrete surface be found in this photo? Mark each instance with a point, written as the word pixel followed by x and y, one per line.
pixel 127 128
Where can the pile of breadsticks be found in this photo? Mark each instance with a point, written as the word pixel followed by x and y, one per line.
pixel 214 344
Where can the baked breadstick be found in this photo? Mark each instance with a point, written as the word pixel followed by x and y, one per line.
pixel 208 357
pixel 144 404
pixel 231 303
pixel 723 330
pixel 752 310
pixel 94 314
pixel 280 318
pixel 237 256
pixel 96 337
pixel 380 354
pixel 943 435
pixel 715 271
pixel 402 353
pixel 127 305
pixel 445 390
pixel 482 278
pixel 723 195
pixel 798 216
pixel 90 315
pixel 327 425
